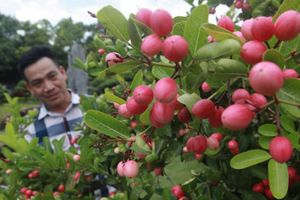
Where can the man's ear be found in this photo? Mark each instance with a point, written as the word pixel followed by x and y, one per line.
pixel 29 88
pixel 63 72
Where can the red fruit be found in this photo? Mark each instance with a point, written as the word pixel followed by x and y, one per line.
pixel 149 167
pixel 175 48
pixel 30 175
pixel 113 58
pixel 235 151
pixel 150 144
pixel 236 117
pixel 292 173
pixel 123 111
pixel 269 194
pixel 182 198
pixel 133 124
pixel 76 158
pixel 290 73
pixel 74 140
pixel 177 191
pixel 203 109
pixel 218 136
pixel 135 108
pixel 211 39
pixel 23 190
pixel 61 188
pixel 287 25
pixel 161 22
pixel 34 193
pixel 76 176
pixel 252 52
pixel 246 29
pixel 176 104
pixel 262 29
pixel 141 156
pixel 240 35
pixel 265 183
pixel 281 149
pixel 258 188
pixel 55 193
pixel 205 87
pixel 297 178
pixel 197 144
pixel 116 105
pixel 258 100
pixel 165 90
pixel 184 115
pixel 266 78
pixel 101 51
pixel 151 45
pixel 215 119
pixel 240 94
pixel 154 122
pixel 68 165
pixel 120 169
pixel 197 156
pixel 144 16
pixel 246 6
pixel 212 143
pixel 158 171
pixel 112 193
pixel 185 150
pixel 249 104
pixel 143 95
pixel 232 145
pixel 28 193
pixel 163 112
pixel 238 4
pixel 212 11
pixel 131 169
pixel 35 173
pixel 226 23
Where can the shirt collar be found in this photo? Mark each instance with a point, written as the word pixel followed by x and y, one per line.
pixel 75 99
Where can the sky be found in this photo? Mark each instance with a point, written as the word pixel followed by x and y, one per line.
pixel 55 10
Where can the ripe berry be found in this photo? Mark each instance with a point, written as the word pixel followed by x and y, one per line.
pixel 101 51
pixel 258 100
pixel 135 108
pixel 290 73
pixel 117 150
pixel 185 150
pixel 232 145
pixel 161 22
pixel 287 25
pixel 184 115
pixel 143 95
pixel 212 11
pixel 120 169
pixel 197 156
pixel 246 6
pixel 215 119
pixel 55 193
pixel 158 171
pixel 8 171
pixel 144 16
pixel 203 109
pixel 281 149
pixel 182 198
pixel 74 140
pixel 266 78
pixel 205 87
pixel 76 158
pixel 177 191
pixel 123 111
pixel 238 4
pixel 269 194
pixel 34 193
pixel 133 124
pixel 163 112
pixel 113 58
pixel 61 188
pixel 176 104
pixel 76 176
pixel 30 175
pixel 235 151
pixel 131 169
pixel 252 52
pixel 240 35
pixel 218 136
pixel 236 117
pixel 240 94
pixel 149 167
pixel 112 193
pixel 23 190
pixel 246 29
pixel 262 29
pixel 154 122
pixel 151 45
pixel 226 23
pixel 68 165
pixel 212 143
pixel 265 183
pixel 197 144
pixel 292 173
pixel 175 48
pixel 28 193
pixel 165 90
pixel 258 188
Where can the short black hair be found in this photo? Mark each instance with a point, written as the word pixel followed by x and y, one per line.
pixel 33 55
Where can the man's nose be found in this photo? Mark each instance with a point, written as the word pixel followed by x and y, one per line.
pixel 48 85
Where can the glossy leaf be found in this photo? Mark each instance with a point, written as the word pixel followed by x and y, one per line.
pixel 287 123
pixel 7 141
pixel 194 81
pixel 220 33
pixel 46 143
pixel 146 29
pixel 274 56
pixel 152 157
pixel 84 145
pixel 264 141
pixel 293 137
pixel 136 191
pixel 259 172
pixel 144 118
pixel 137 80
pixel 114 98
pixel 134 35
pixel 249 158
pixel 189 100
pixel 37 155
pixel 114 21
pixel 9 130
pixel 120 68
pixel 228 69
pixel 166 194
pixel 178 28
pixel 292 110
pixel 268 130
pixel 278 178
pixel 224 48
pixel 162 72
pixel 13 178
pixel 106 124
pixel 27 165
pixel 142 144
pixel 290 91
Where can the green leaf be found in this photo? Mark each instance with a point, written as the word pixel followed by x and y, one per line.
pixel 162 72
pixel 278 178
pixel 120 68
pixel 228 69
pixel 84 146
pixel 264 141
pixel 166 194
pixel 285 6
pixel 106 124
pixel 292 110
pixel 290 90
pixel 47 145
pixel 37 155
pixel 27 165
pixel 49 160
pixel 135 37
pixel 152 157
pixel 214 50
pixel 274 56
pixel 146 29
pixel 137 80
pixel 33 143
pixel 57 146
pixel 259 172
pixel 178 28
pixel 142 144
pixel 189 100
pixel 144 117
pixel 220 33
pixel 194 81
pixel 268 130
pixel 136 191
pixel 114 98
pixel 193 34
pixel 13 178
pixel 249 158
pixel 9 130
pixel 287 123
pixel 293 137
pixel 114 21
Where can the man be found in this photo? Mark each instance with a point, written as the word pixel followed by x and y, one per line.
pixel 59 110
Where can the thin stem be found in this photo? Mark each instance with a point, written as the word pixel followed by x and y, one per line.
pixel 267 45
pixel 224 93
pixel 277 44
pixel 267 104
pixel 277 115
pixel 288 102
pixel 293 55
pixel 216 93
pixel 163 65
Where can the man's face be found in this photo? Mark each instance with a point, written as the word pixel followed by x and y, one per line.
pixel 47 82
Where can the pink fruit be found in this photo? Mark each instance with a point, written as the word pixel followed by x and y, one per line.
pixel 290 73
pixel 123 111
pixel 161 22
pixel 176 104
pixel 116 105
pixel 154 122
pixel 218 136
pixel 185 150
pixel 240 35
pixel 8 171
pixel 76 176
pixel 258 100
pixel 175 48
pixel 112 193
pixel 177 191
pixel 133 124
pixel 266 78
pixel 131 169
pixel 262 29
pixel 151 45
pixel 246 29
pixel 212 11
pixel 197 156
pixel 30 175
pixel 116 150
pixel 240 94
pixel 258 188
pixel 165 90
pixel 249 104
pixel 61 188
pixel 158 171
pixel 252 52
pixel 215 119
pixel 143 95
pixel 135 108
pixel 74 140
pixel 23 190
pixel 287 25
pixel 76 158
pixel 163 112
pixel 141 156
pixel 34 193
pixel 55 193
pixel 205 87
pixel 235 151
pixel 212 143
pixel 150 143
pixel 113 58
pixel 101 51
pixel 246 6
pixel 281 149
pixel 184 115
pixel 211 39
pixel 120 169
pixel 232 145
pixel 203 109
pixel 144 16
pixel 238 4
pixel 236 117
pixel 68 165
pixel 28 193
pixel 226 23
pixel 149 166
pixel 197 144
